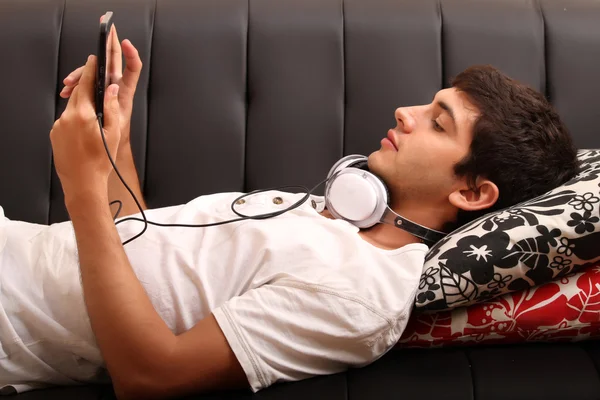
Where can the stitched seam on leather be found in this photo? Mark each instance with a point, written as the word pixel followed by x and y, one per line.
pixel 245 346
pixel 143 175
pixel 50 175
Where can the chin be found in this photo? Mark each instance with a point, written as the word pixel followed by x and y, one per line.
pixel 371 158
pixel 375 162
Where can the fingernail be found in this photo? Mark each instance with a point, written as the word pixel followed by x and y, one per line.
pixel 114 90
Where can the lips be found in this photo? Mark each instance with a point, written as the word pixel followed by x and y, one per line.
pixel 392 138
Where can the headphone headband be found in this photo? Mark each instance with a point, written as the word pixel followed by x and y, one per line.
pixel 427 234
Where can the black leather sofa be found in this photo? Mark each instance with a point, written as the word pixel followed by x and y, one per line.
pixel 246 94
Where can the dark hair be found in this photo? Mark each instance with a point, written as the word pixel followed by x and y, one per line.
pixel 519 141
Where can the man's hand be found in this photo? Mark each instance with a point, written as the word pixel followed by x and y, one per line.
pixel 79 153
pixel 126 80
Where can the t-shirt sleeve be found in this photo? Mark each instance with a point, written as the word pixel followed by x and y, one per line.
pixel 289 332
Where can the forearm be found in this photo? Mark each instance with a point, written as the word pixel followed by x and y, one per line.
pixel 131 335
pixel 116 189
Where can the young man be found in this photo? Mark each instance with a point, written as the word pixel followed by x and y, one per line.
pixel 248 304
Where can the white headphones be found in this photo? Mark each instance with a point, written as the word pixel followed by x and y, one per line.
pixel 354 194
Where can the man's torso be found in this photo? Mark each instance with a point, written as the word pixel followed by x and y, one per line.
pixel 187 272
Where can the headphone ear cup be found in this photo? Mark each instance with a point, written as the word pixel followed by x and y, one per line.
pixel 357 196
pixel 364 165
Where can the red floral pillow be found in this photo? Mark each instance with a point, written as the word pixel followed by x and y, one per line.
pixel 564 310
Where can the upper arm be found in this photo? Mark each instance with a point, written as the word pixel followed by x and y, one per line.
pixel 199 360
pixel 270 334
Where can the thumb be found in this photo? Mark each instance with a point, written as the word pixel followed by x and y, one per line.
pixel 111 108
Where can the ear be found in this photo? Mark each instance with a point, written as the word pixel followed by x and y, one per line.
pixel 483 197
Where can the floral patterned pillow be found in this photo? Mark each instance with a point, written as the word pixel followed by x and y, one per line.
pixel 565 310
pixel 534 242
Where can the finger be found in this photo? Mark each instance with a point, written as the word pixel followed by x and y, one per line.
pixel 85 90
pixel 133 66
pixel 74 76
pixel 111 108
pixel 66 92
pixel 116 57
pixel 72 99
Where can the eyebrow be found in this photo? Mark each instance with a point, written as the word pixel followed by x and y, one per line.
pixel 444 106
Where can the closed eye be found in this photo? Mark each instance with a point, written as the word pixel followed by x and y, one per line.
pixel 437 126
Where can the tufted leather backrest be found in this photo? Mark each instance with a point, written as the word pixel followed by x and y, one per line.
pixel 243 94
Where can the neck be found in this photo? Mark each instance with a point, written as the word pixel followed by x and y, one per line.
pixel 391 237
pixel 388 237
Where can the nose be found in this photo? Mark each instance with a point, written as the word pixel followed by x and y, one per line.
pixel 405 120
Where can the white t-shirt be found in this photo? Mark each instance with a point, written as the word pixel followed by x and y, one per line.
pixel 296 296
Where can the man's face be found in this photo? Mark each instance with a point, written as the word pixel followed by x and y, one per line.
pixel 417 157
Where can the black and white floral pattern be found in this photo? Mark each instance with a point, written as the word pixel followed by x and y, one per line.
pixel 534 242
